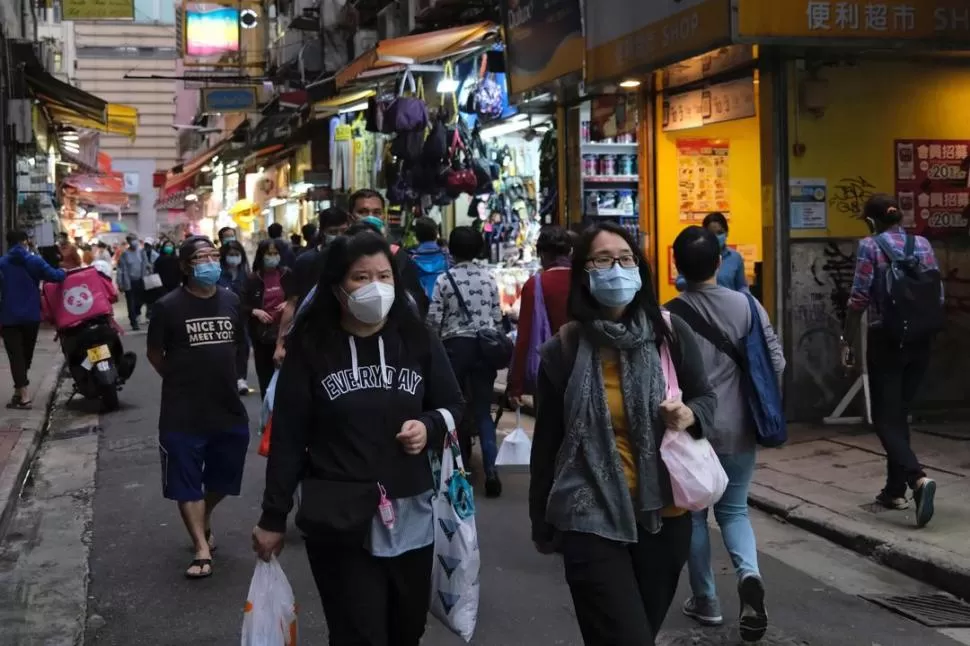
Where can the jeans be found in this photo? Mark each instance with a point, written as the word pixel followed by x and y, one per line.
pixel 731 512
pixel 19 341
pixel 895 374
pixel 478 386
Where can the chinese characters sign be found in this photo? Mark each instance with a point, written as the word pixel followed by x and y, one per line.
pixel 931 186
pixel 716 104
pixel 909 19
pixel 704 178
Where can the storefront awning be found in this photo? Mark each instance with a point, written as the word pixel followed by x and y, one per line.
pixel 97 189
pixel 390 56
pixel 336 104
pixel 180 176
pixel 274 133
pixel 69 106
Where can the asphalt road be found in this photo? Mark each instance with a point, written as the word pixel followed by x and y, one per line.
pixel 138 550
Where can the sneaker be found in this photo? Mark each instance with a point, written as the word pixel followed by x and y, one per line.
pixel 924 495
pixel 889 502
pixel 242 387
pixel 753 621
pixel 704 611
pixel 493 487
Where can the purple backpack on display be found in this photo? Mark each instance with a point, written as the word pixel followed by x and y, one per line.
pixel 406 113
pixel 540 333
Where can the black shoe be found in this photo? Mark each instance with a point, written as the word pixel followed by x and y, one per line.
pixel 892 502
pixel 924 495
pixel 754 618
pixel 493 487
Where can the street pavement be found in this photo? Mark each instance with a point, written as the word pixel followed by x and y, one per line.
pixel 93 512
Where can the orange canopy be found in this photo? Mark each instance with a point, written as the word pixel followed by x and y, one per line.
pixel 175 182
pixel 393 54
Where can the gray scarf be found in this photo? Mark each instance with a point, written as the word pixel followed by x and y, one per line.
pixel 588 425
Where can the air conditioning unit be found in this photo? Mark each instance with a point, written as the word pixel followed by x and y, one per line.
pixel 390 22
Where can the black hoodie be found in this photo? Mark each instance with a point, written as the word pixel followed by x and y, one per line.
pixel 336 420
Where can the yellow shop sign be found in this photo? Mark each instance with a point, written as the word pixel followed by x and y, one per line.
pixel 947 20
pixel 685 33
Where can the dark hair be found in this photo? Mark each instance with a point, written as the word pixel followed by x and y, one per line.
pixel 296 239
pixel 554 241
pixel 275 230
pixel 16 237
pixel 225 230
pixel 585 309
pixel 465 243
pixel 716 217
pixel 102 244
pixel 883 210
pixel 309 232
pixel 188 248
pixel 362 227
pixel 261 250
pixel 697 254
pixel 426 230
pixel 334 217
pixel 366 194
pixel 316 329
pixel 231 247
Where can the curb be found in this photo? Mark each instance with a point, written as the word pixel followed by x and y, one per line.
pixel 23 454
pixel 922 562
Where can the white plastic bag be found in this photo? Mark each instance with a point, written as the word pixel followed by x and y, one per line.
pixel 268 402
pixel 270 615
pixel 454 574
pixel 516 448
pixel 152 281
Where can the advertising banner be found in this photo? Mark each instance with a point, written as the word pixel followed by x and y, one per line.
pixel 211 34
pixel 98 9
pixel 704 178
pixel 612 116
pixel 716 104
pixel 932 186
pixel 543 40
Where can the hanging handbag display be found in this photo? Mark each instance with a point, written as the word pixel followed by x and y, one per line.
pixel 406 113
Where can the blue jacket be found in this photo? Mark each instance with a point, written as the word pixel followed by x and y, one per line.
pixel 730 274
pixel 21 273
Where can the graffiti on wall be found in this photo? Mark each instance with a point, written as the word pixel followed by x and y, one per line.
pixel 849 196
pixel 946 384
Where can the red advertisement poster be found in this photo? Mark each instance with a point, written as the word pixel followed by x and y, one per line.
pixel 932 186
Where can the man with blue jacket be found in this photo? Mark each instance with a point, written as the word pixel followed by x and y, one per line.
pixel 20 276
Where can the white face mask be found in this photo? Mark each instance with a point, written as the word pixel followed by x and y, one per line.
pixel 371 303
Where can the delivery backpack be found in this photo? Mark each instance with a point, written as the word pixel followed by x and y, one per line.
pixel 912 303
pixel 759 382
pixel 430 264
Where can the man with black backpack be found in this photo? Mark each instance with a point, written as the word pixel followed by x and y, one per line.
pixel 897 281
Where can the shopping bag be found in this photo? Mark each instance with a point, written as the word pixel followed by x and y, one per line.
pixel 516 448
pixel 454 574
pixel 696 476
pixel 269 618
pixel 266 416
pixel 152 281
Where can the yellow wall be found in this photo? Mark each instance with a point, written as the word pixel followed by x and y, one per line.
pixel 871 104
pixel 745 169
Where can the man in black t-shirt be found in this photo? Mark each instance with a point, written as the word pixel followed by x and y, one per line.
pixel 195 336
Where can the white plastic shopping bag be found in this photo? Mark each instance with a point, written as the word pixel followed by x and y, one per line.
pixel 270 615
pixel 696 476
pixel 457 561
pixel 516 448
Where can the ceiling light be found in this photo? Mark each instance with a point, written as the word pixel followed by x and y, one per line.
pixel 191 197
pixel 447 86
pixel 630 84
pixel 69 136
pixel 357 107
pixel 511 126
pixel 206 169
pixel 89 190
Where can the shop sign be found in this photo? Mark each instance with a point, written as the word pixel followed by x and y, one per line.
pixel 893 19
pixel 808 207
pixel 624 38
pixel 98 9
pixel 704 172
pixel 932 186
pixel 229 99
pixel 719 103
pixel 543 41
pixel 707 65
pixel 612 116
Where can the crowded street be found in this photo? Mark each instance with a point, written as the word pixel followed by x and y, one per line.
pixel 94 555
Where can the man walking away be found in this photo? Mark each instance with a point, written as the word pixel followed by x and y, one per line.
pixel 897 279
pixel 20 276
pixel 132 269
pixel 194 340
pixel 430 259
pixel 720 314
pixel 275 232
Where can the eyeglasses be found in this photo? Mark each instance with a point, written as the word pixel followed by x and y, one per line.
pixel 627 261
pixel 204 256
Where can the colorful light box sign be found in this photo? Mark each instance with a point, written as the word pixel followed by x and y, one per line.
pixel 211 31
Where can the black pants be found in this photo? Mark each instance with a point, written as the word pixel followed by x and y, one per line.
pixel 135 299
pixel 622 592
pixel 895 374
pixel 477 381
pixel 371 601
pixel 265 366
pixel 20 341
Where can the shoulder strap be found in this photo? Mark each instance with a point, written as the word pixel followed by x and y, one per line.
pixel 700 325
pixel 569 337
pixel 887 249
pixel 909 249
pixel 461 300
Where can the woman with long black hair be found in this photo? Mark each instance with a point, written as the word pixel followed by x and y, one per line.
pixel 364 393
pixel 600 493
pixel 235 273
pixel 263 302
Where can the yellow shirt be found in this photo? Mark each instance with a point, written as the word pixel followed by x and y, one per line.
pixel 614 401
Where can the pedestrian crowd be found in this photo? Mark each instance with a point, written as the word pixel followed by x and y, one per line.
pixel 379 364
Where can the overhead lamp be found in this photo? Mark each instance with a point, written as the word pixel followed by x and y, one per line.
pixel 89 190
pixel 357 107
pixel 69 136
pixel 629 84
pixel 509 127
pixel 74 150
pixel 447 85
pixel 206 169
pixel 191 197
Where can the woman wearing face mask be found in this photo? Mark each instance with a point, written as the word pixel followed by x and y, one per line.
pixel 599 492
pixel 731 272
pixel 364 392
pixel 234 273
pixel 167 267
pixel 264 300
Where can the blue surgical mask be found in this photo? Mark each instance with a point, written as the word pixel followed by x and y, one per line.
pixel 228 239
pixel 722 240
pixel 616 286
pixel 207 274
pixel 271 262
pixel 233 261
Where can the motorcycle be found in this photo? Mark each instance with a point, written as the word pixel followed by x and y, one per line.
pixel 97 360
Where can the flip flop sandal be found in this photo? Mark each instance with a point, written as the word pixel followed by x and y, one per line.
pixel 19 404
pixel 202 564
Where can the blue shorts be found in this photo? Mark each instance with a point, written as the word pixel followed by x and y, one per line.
pixel 196 464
